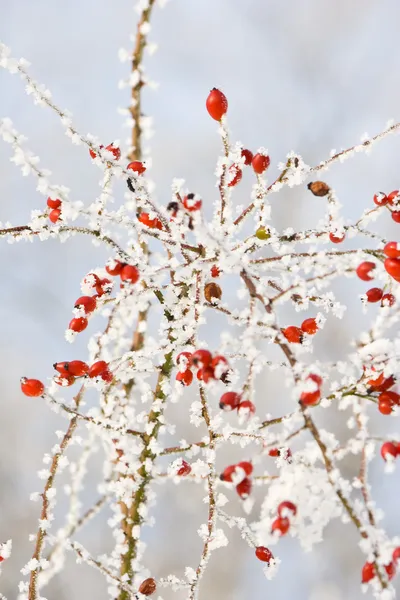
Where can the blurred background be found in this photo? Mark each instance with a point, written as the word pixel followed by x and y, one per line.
pixel 306 76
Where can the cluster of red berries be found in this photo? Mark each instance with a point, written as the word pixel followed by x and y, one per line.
pixel 281 524
pixel 208 367
pixel 70 371
pixel 239 475
pixel 233 401
pixel 387 399
pixel 295 335
pixel 391 201
pixel 217 107
pixel 365 273
pixel 368 572
pixel 390 450
pixel 136 166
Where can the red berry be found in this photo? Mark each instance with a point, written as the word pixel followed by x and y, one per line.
pixel 184 469
pixel 336 239
pixel 390 570
pixel 185 377
pixel 78 368
pixel 396 216
pixel 78 324
pixel 144 218
pixel 365 269
pixel 388 449
pixel 260 163
pixel 216 104
pixel 129 274
pixel 244 488
pixel 53 203
pixel 309 326
pixel 220 366
pixel 246 409
pixel 393 197
pixel 385 406
pixel 64 380
pixel 227 473
pixel 248 157
pixel 264 554
pixel 280 525
pixel 374 294
pixel 388 300
pixel 392 266
pixel 201 358
pixel 184 358
pixel 88 303
pixel 380 199
pixel 234 175
pixel 116 152
pixel 114 267
pixel 293 334
pixel 310 398
pixel 229 401
pixel 97 368
pixel 215 272
pixel 396 554
pixel 316 378
pixel 191 202
pixel 54 215
pixel 392 396
pixel 287 506
pixel 104 286
pixel 107 376
pixel 368 572
pixel 93 153
pixel 246 466
pixel 32 387
pixel 392 250
pixel 137 167
pixel 205 374
pixel 285 452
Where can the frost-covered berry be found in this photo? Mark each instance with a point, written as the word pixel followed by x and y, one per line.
pixel 97 368
pixel 260 163
pixel 248 156
pixel 246 409
pixel 262 234
pixel 280 526
pixel 184 469
pixel 380 199
pixel 216 104
pixel 115 151
pixel 145 219
pixel 53 203
pixel 107 376
pixel 93 153
pixel 32 387
pixel 137 167
pixel 285 507
pixel 393 197
pixel 228 473
pixel 309 326
pixel 293 334
pixel 215 272
pixel 104 286
pixel 243 488
pixel 246 466
pixel 368 572
pixel 390 570
pixel 229 401
pixel 114 267
pixel 234 175
pixel 88 303
pixel 365 269
pixel 78 325
pixel 192 202
pixel 264 554
pixel 319 188
pixel 129 274
pixel 388 300
pixel 64 380
pixel 206 374
pixel 374 294
pixel 201 358
pixel 396 554
pixel 336 239
pixel 54 215
pixel 389 450
pixel 185 377
pixel 184 358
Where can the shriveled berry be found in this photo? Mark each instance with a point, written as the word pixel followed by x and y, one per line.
pixel 97 368
pixel 280 525
pixel 184 469
pixel 185 377
pixel 264 554
pixel 260 163
pixel 374 294
pixel 147 587
pixel 336 239
pixel 309 326
pixel 248 156
pixel 78 325
pixel 244 488
pixel 287 506
pixel 56 203
pixel 129 274
pixel 262 234
pixel 137 167
pixel 54 215
pixel 88 303
pixel 365 270
pixel 212 292
pixel 216 104
pixel 32 387
pixel 229 401
pixel 293 334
